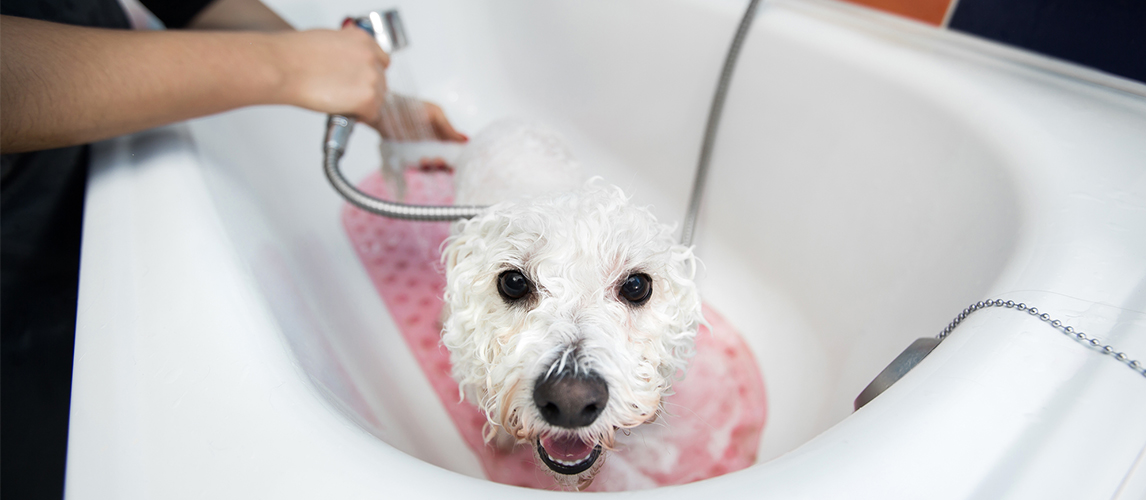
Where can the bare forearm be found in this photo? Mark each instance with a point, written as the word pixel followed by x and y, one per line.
pixel 67 85
pixel 64 85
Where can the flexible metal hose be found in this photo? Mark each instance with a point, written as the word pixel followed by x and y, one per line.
pixel 688 230
pixel 337 135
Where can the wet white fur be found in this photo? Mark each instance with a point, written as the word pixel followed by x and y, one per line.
pixel 576 241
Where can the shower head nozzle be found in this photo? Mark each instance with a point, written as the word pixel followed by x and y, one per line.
pixel 387 29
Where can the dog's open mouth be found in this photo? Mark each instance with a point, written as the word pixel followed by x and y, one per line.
pixel 567 455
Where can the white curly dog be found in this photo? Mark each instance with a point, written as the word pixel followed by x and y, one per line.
pixel 569 311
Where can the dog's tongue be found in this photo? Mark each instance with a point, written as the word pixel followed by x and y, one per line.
pixel 568 449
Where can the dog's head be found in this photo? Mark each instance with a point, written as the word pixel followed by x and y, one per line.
pixel 569 316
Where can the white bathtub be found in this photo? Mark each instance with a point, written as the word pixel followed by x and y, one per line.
pixel 872 177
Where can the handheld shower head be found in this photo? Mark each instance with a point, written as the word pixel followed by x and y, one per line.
pixel 387 29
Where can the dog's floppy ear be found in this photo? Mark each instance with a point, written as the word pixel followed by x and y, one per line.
pixel 456 248
pixel 450 249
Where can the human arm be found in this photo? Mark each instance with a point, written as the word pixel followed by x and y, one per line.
pixel 62 85
pixel 429 119
pixel 408 118
pixel 65 85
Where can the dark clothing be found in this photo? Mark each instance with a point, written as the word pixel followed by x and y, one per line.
pixel 41 216
pixel 102 13
pixel 41 212
pixel 177 14
pixel 93 13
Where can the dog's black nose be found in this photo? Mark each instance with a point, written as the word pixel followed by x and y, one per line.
pixel 570 401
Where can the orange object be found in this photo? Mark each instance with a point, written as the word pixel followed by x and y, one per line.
pixel 928 11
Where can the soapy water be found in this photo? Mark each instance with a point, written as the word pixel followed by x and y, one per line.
pixel 711 425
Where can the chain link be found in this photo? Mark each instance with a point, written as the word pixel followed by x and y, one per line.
pixel 1078 336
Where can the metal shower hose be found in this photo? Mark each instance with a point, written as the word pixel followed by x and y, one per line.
pixel 337 132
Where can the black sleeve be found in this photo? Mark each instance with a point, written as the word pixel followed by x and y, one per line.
pixel 176 13
pixel 94 13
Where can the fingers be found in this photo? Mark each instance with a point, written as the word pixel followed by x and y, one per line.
pixel 361 73
pixel 403 121
pixel 443 129
pixel 379 54
pixel 339 72
pixel 407 119
pixel 370 110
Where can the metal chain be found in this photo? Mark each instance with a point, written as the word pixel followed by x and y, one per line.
pixel 1085 339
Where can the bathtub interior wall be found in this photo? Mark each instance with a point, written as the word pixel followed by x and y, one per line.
pixel 848 213
pixel 877 210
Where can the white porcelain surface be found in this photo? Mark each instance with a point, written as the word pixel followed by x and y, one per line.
pixel 872 177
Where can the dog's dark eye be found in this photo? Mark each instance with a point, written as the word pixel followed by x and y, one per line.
pixel 512 285
pixel 637 289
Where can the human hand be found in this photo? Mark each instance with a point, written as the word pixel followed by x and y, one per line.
pixel 337 72
pixel 443 130
pixel 344 72
pixel 406 119
pixel 114 82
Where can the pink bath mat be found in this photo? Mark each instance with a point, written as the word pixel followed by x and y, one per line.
pixel 713 421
